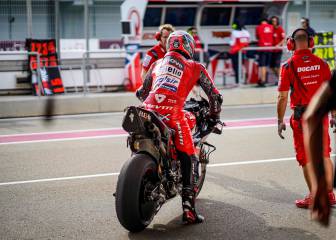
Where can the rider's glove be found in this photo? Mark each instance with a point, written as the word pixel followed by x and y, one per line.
pixel 281 127
pixel 333 122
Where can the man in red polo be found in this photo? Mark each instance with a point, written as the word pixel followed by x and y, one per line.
pixel 264 34
pixel 278 41
pixel 159 50
pixel 303 73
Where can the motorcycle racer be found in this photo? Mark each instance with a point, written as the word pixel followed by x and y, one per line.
pixel 165 89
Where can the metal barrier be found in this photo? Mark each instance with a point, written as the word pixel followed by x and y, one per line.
pixel 240 58
pixel 240 55
pixel 70 68
pixel 38 61
pixel 86 66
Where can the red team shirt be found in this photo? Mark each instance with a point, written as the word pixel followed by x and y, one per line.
pixel 311 70
pixel 278 36
pixel 153 54
pixel 264 34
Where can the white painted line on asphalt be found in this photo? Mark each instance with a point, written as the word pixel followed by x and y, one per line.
pixel 83 115
pixel 114 136
pixel 249 106
pixel 111 128
pixel 66 139
pixel 115 174
pixel 108 135
pixel 255 162
pixel 59 179
pixel 248 127
pixel 63 131
pixel 251 162
pixel 252 119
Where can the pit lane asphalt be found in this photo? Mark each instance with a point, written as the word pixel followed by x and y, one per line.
pixel 242 201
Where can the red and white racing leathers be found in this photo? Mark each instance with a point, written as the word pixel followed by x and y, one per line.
pixel 311 71
pixel 155 53
pixel 166 88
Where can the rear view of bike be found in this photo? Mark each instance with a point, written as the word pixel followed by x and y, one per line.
pixel 153 173
pixel 140 188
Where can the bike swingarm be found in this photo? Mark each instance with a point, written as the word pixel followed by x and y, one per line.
pixel 146 146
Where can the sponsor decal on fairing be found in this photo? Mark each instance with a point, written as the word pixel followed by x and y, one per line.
pixel 160 97
pixel 179 130
pixel 168 69
pixel 168 82
pixel 144 115
pixel 173 62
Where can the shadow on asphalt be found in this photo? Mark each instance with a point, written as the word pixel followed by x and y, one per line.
pixel 274 193
pixel 223 221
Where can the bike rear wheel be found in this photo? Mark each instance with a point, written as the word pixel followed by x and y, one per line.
pixel 134 211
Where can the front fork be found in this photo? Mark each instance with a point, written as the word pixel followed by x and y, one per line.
pixel 205 150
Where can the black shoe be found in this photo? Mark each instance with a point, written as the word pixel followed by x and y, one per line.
pixel 261 85
pixel 188 204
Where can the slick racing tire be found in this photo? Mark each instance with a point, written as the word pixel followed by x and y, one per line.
pixel 134 212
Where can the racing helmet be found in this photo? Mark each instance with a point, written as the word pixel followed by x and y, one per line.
pixel 181 41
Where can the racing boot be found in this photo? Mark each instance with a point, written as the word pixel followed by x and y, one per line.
pixel 188 204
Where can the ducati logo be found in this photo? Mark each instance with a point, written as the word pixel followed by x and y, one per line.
pixel 160 98
pixel 309 68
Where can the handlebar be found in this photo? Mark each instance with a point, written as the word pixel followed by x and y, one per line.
pixel 201 110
